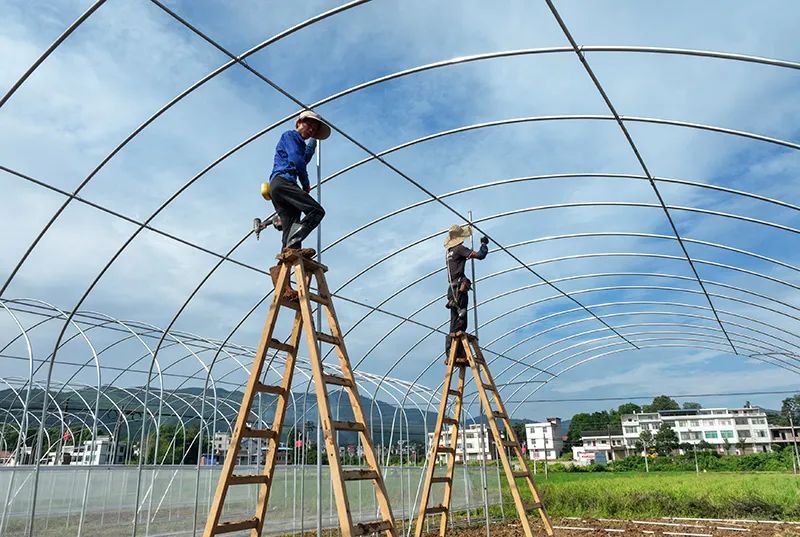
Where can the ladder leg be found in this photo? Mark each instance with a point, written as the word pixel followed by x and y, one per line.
pixel 323 404
pixel 435 441
pixel 277 424
pixel 477 364
pixel 337 338
pixel 448 486
pixel 213 520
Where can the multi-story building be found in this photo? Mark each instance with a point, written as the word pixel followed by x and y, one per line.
pixel 723 428
pixel 249 449
pixel 784 435
pixel 544 439
pixel 476 449
pixel 612 446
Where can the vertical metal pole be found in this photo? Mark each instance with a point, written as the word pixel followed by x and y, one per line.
pixel 484 448
pixel 464 462
pixel 794 439
pixel 319 347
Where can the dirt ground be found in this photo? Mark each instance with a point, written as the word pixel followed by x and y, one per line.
pixel 574 527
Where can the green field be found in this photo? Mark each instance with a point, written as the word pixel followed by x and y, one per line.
pixel 773 496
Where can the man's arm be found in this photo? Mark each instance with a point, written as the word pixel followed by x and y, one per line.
pixel 482 251
pixel 311 146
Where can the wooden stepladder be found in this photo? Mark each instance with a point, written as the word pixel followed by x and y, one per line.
pixel 304 270
pixel 484 382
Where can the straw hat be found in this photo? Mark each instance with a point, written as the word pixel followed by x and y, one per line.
pixel 323 131
pixel 456 235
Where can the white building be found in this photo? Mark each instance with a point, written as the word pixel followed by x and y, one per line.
pixel 716 426
pixel 249 449
pixel 474 444
pixel 544 439
pixel 612 446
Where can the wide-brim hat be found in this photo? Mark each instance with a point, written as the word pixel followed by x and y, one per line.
pixel 456 235
pixel 323 131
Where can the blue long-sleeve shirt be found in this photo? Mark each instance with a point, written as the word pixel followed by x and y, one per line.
pixel 292 154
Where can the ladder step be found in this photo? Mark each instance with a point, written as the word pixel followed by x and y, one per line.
pixel 436 509
pixel 461 362
pixel 488 387
pixel 453 393
pixel 529 506
pixel 291 304
pixel 450 421
pixel 440 479
pixel 339 381
pixel 445 449
pixel 279 345
pixel 500 415
pixel 327 338
pixel 247 432
pixel 266 388
pixel 319 299
pixel 366 528
pixel 249 479
pixel 359 475
pixel 520 474
pixel 509 443
pixel 228 527
pixel 349 426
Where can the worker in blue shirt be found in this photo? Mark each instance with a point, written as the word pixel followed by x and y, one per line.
pixel 292 154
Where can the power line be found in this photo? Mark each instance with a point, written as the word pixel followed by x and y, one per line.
pixel 645 397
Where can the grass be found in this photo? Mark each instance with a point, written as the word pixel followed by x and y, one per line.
pixel 770 496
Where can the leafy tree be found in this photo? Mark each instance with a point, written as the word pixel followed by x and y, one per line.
pixel 628 408
pixel 688 405
pixel 790 408
pixel 519 430
pixel 666 441
pixel 662 402
pixel 645 441
pixel 703 445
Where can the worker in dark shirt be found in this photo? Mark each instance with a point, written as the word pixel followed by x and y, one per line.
pixel 458 284
pixel 292 154
pixel 291 200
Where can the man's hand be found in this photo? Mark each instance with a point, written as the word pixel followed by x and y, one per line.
pixel 307 189
pixel 484 240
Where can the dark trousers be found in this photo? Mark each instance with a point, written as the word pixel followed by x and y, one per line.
pixel 290 201
pixel 458 317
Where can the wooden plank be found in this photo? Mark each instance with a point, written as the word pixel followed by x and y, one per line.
pixel 325 338
pixel 435 510
pixel 450 421
pixel 269 434
pixel 349 426
pixel 441 479
pixel 365 528
pixel 240 525
pixel 453 393
pixel 360 474
pixel 248 479
pixel 319 299
pixel 338 381
pixel 279 345
pixel 266 388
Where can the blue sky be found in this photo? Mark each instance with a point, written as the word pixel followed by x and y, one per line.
pixel 130 58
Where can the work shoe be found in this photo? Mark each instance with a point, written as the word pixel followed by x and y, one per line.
pixel 302 252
